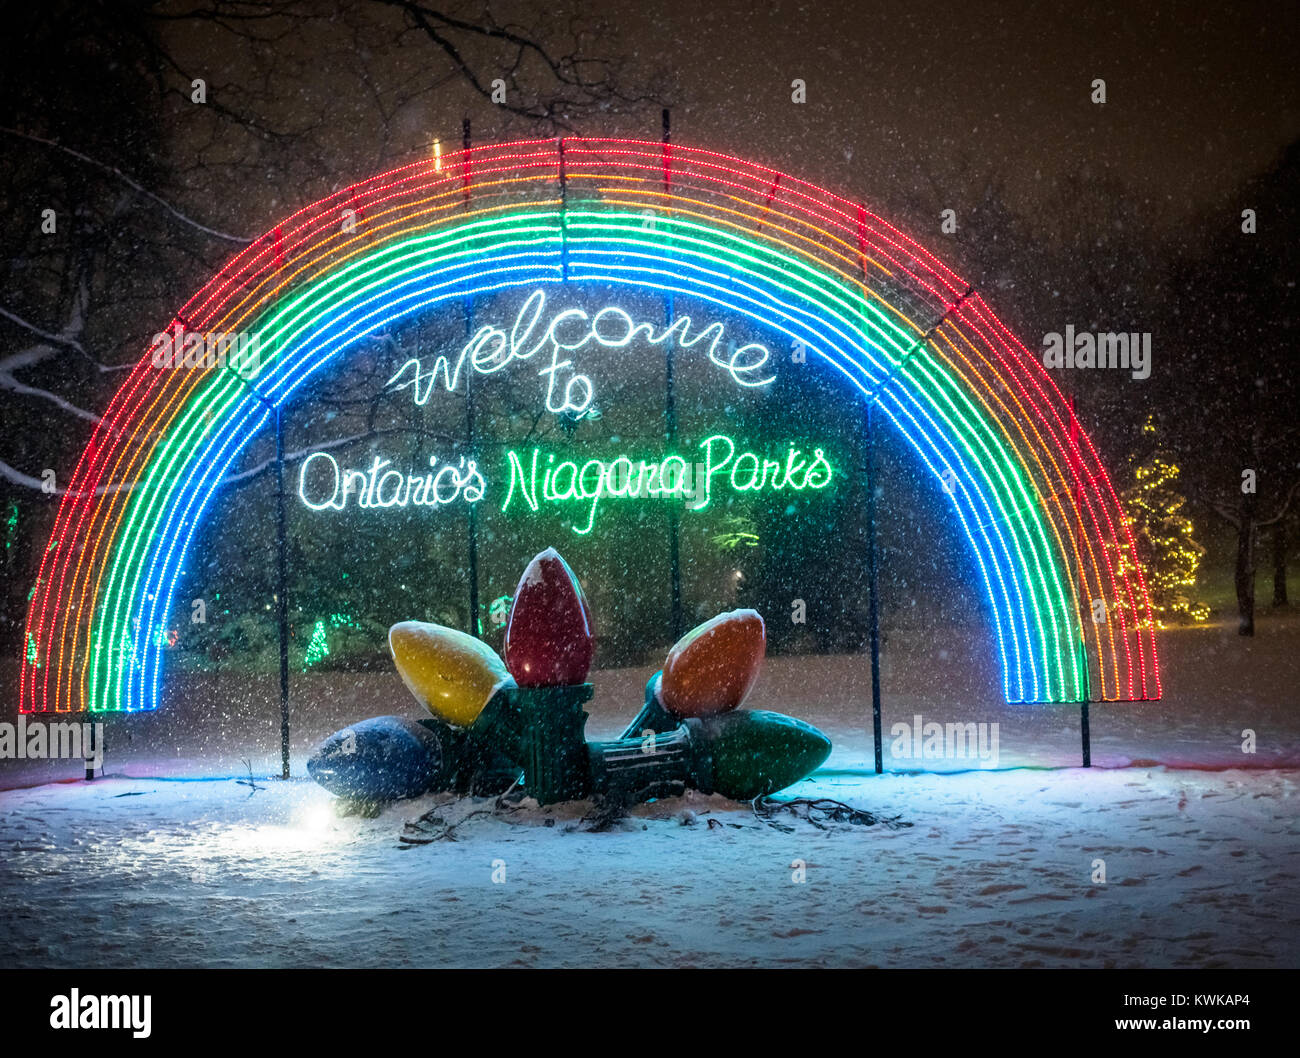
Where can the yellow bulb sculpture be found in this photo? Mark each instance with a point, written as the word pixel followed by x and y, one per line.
pixel 452 674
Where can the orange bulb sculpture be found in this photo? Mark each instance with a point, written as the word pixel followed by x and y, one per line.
pixel 713 667
pixel 549 640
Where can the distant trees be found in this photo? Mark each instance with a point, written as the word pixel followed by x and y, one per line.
pixel 1220 296
pixel 1239 389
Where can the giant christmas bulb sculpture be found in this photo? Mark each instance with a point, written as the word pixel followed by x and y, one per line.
pixel 385 758
pixel 450 673
pixel 494 719
pixel 548 649
pixel 712 668
pixel 549 641
pixel 741 754
pixel 388 758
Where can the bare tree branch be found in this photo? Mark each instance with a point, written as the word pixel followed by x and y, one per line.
pixel 1286 506
pixel 137 187
pixel 26 358
pixel 49 338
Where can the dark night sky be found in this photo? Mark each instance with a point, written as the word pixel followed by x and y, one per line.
pixel 913 107
pixel 1200 96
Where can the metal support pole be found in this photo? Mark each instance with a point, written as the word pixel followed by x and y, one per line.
pixel 874 613
pixel 674 536
pixel 564 214
pixel 474 628
pixel 670 430
pixel 467 141
pixel 282 568
pixel 1085 734
pixel 869 474
pixel 88 748
pixel 282 592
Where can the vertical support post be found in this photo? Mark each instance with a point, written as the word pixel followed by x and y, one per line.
pixel 670 429
pixel 1085 734
pixel 674 529
pixel 872 585
pixel 88 746
pixel 472 515
pixel 467 142
pixel 282 591
pixel 564 214
pixel 872 579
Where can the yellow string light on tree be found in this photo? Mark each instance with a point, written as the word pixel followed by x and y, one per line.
pixel 1167 549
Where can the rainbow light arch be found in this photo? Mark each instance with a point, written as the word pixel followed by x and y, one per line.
pixel 1025 482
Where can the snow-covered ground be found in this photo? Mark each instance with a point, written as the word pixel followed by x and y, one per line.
pixel 171 862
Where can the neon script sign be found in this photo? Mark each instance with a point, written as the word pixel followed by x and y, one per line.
pixel 568 331
pixel 671 477
pixel 534 479
pixel 538 478
pixel 382 487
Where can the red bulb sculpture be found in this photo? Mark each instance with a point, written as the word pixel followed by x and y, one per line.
pixel 549 640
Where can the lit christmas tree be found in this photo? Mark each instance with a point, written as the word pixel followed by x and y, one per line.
pixel 318 648
pixel 1163 534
